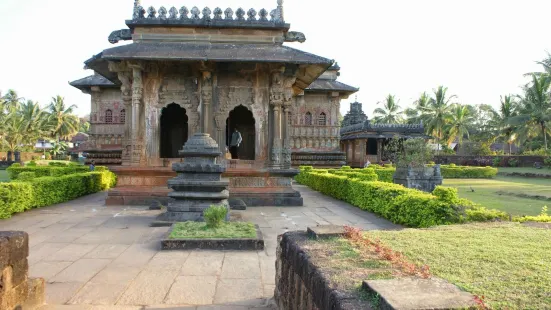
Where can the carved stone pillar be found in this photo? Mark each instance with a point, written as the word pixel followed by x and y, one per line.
pixel 138 114
pixel 379 150
pixel 287 140
pixel 206 100
pixel 127 143
pixel 276 102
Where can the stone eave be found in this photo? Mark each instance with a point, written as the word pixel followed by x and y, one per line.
pixel 85 84
pixel 311 66
pixel 326 86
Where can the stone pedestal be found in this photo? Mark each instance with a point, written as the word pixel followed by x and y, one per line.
pixel 266 187
pixel 425 179
pixel 198 184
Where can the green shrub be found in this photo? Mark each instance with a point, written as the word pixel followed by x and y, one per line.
pixel 15 197
pixel 496 161
pixel 57 164
pixel 346 168
pixel 543 217
pixel 26 176
pixel 398 204
pixel 32 163
pixel 15 165
pixel 467 172
pixel 215 216
pixel 26 193
pixel 364 175
pixel 446 194
pixel 452 165
pixel 547 162
pixel 45 171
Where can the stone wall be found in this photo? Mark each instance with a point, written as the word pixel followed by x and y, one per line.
pixel 302 285
pixel 523 161
pixel 17 291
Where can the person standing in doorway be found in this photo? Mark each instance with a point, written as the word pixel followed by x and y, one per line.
pixel 236 140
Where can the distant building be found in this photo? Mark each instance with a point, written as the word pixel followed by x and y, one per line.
pixel 362 140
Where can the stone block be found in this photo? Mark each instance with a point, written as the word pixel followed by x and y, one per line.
pixel 413 294
pixel 14 246
pixel 252 244
pixel 325 231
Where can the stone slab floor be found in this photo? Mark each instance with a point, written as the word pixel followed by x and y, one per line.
pixel 97 257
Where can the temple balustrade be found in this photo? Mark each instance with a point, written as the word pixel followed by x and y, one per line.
pixel 206 14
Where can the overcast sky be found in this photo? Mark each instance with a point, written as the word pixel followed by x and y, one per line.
pixel 479 49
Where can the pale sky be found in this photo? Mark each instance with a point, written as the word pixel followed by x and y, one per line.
pixel 479 49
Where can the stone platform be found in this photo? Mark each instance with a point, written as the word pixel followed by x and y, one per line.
pixel 256 187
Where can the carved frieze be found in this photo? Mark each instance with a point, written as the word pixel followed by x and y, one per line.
pixel 232 97
pixel 237 182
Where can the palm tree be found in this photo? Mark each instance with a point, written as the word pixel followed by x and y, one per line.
pixel 458 122
pixel 14 136
pixel 11 100
pixel 64 124
pixel 436 112
pixel 414 115
pixel 535 106
pixel 35 121
pixel 390 113
pixel 501 120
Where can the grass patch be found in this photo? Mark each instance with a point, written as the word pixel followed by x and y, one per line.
pixel 199 230
pixel 486 193
pixel 346 265
pixel 4 177
pixel 507 263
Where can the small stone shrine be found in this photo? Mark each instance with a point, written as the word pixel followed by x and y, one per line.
pixel 199 183
pixel 363 140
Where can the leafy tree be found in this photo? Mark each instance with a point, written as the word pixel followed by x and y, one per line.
pixel 390 113
pixel 64 124
pixel 35 124
pixel 11 100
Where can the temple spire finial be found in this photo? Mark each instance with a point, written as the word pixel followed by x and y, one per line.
pixel 356 98
pixel 137 8
pixel 280 10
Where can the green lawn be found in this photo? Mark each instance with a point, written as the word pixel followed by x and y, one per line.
pixel 485 193
pixel 507 263
pixel 4 177
pixel 197 230
pixel 524 170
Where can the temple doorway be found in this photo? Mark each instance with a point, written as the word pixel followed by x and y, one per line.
pixel 174 130
pixel 242 119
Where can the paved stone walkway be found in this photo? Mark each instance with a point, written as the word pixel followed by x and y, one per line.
pixel 97 257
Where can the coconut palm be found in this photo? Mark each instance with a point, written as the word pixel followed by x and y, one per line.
pixel 11 100
pixel 64 124
pixel 436 112
pixel 390 112
pixel 535 107
pixel 458 121
pixel 501 120
pixel 35 122
pixel 414 115
pixel 13 137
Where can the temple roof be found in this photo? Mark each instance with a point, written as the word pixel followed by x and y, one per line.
pixel 170 51
pixel 212 52
pixel 86 83
pixel 330 85
pixel 367 129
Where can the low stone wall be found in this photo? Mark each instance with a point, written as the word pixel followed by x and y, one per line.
pixel 302 285
pixel 17 291
pixel 318 158
pixel 523 161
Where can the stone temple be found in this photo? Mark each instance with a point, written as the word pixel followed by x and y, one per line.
pixel 186 71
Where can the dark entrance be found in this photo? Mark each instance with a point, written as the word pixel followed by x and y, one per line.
pixel 242 119
pixel 173 130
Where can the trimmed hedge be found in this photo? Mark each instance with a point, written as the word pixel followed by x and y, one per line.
pixel 24 194
pixel 467 172
pixel 45 171
pixel 396 203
